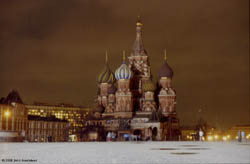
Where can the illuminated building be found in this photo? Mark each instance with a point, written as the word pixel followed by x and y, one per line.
pixel 129 103
pixel 232 133
pixel 13 117
pixel 73 114
pixel 46 129
pixel 189 133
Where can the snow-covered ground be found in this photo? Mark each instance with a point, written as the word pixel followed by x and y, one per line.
pixel 125 152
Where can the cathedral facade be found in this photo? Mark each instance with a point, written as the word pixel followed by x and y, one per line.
pixel 130 104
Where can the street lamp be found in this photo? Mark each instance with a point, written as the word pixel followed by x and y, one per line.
pixel 224 138
pixel 7 113
pixel 210 138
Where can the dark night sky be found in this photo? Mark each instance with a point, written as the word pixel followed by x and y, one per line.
pixel 52 51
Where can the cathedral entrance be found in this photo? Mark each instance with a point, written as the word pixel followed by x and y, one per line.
pixel 111 136
pixel 154 133
pixel 138 134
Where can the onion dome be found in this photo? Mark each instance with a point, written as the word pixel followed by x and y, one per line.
pixel 106 76
pixel 98 109
pixel 166 70
pixel 148 86
pixel 112 89
pixel 123 72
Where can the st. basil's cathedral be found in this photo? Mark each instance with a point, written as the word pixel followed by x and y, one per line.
pixel 129 104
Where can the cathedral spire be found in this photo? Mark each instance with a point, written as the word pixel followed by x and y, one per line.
pixel 106 55
pixel 165 54
pixel 138 48
pixel 138 22
pixel 123 56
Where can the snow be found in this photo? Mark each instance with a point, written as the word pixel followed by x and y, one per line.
pixel 125 152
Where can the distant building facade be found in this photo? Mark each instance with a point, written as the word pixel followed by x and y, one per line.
pixel 73 114
pixel 135 105
pixel 233 131
pixel 189 133
pixel 13 118
pixel 47 129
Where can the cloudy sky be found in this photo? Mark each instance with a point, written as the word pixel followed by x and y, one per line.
pixel 52 51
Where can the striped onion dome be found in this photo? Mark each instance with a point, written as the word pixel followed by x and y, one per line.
pixel 123 72
pixel 148 86
pixel 106 76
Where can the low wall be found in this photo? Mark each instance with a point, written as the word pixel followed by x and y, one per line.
pixel 9 136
